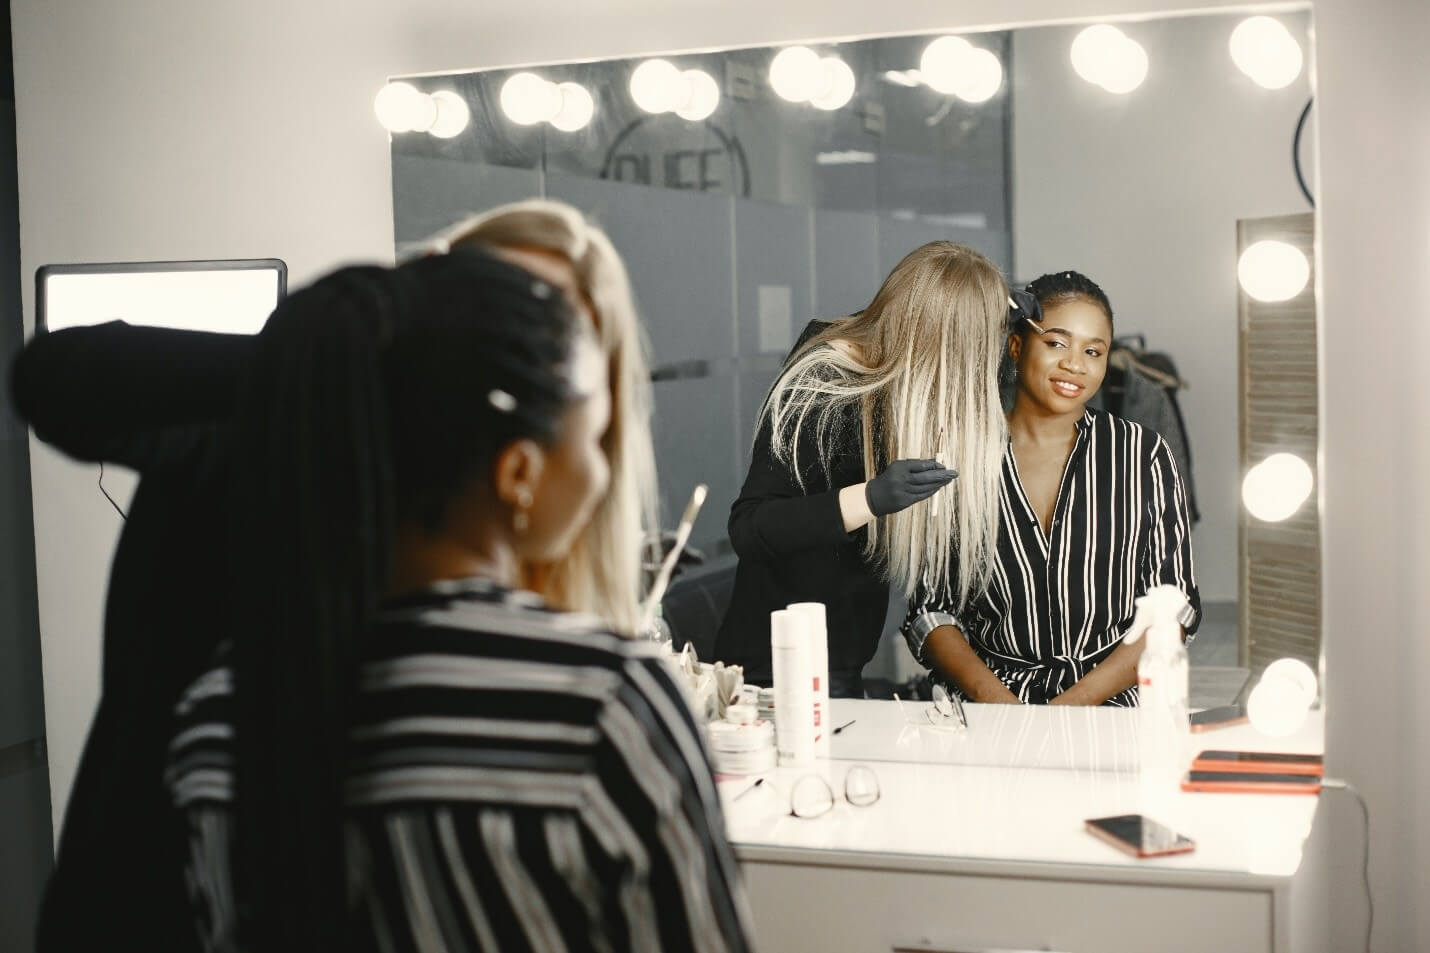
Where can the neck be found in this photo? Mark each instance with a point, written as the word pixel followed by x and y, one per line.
pixel 1030 423
pixel 420 559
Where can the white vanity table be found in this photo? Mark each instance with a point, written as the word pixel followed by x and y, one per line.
pixel 977 843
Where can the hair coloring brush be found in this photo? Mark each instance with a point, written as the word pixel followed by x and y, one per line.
pixel 667 566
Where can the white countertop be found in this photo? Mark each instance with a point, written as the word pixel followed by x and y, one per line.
pixel 1016 789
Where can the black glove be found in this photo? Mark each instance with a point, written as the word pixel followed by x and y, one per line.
pixel 904 483
pixel 1023 306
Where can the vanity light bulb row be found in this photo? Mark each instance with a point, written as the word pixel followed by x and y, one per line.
pixel 800 75
pixel 402 107
pixel 659 86
pixel 528 99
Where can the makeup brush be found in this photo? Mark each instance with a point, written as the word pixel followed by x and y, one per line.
pixel 662 578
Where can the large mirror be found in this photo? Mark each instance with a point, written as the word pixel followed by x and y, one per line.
pixel 745 215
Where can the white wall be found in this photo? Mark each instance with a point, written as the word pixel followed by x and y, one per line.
pixel 168 129
pixel 1142 193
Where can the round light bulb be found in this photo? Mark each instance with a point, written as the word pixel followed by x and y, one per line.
pixel 1093 48
pixel 1265 50
pixel 982 76
pixel 528 99
pixel 402 107
pixel 1125 68
pixel 1273 271
pixel 836 85
pixel 452 114
pixel 1276 487
pixel 941 65
pixel 1278 704
pixel 576 110
pixel 704 95
pixel 796 73
pixel 657 86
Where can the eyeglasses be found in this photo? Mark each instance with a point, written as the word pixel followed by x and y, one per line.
pixel 813 797
pixel 946 712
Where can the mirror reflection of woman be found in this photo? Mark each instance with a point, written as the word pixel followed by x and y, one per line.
pixel 1093 513
pixel 871 417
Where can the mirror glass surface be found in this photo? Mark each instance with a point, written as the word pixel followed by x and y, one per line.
pixel 741 227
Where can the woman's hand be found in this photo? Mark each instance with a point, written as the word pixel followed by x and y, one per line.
pixel 904 483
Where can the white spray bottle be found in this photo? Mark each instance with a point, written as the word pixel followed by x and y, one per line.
pixel 1164 735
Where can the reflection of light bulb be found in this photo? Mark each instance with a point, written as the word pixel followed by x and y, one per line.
pixel 1273 271
pixel 983 77
pixel 1276 487
pixel 401 107
pixel 452 114
pixel 1105 56
pixel 796 73
pixel 1265 50
pixel 658 87
pixel 528 99
pixel 576 110
pixel 1278 704
pixel 704 95
pixel 836 85
pixel 1126 69
pixel 941 62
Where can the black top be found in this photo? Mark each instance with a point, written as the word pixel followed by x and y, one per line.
pixel 1059 603
pixel 518 780
pixel 149 399
pixel 793 548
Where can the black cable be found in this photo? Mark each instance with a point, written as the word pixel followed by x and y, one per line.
pixel 108 497
pixel 1336 784
pixel 1296 152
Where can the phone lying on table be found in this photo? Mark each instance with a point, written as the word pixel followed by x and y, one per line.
pixel 1223 717
pixel 1260 762
pixel 1251 782
pixel 1139 835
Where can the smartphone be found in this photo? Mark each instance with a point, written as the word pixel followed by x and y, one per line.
pixel 1223 717
pixel 1260 762
pixel 1251 782
pixel 1139 836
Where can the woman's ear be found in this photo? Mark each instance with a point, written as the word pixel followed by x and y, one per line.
pixel 1015 347
pixel 517 472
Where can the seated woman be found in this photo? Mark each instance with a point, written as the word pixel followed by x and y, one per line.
pixel 1092 515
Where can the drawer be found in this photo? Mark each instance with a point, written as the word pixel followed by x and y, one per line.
pixel 829 909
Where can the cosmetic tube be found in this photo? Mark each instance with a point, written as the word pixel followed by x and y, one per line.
pixel 792 654
pixel 817 631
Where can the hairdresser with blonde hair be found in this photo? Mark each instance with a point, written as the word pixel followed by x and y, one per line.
pixel 872 416
pixel 602 572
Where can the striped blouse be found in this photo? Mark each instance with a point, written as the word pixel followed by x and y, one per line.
pixel 519 781
pixel 1059 603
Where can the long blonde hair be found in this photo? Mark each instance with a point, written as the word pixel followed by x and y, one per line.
pixel 924 379
pixel 602 573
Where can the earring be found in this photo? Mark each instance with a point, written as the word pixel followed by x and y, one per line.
pixel 520 519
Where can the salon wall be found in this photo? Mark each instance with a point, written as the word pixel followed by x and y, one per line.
pixel 166 129
pixel 1142 193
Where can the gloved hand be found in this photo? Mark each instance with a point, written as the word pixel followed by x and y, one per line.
pixel 904 483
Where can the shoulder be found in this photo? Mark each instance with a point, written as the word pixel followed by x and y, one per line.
pixel 1144 443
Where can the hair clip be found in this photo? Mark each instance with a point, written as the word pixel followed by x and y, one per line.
pixel 501 400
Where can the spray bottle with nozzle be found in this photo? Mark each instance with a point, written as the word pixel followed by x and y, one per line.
pixel 1163 732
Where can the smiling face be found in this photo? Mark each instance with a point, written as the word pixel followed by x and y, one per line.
pixel 1060 369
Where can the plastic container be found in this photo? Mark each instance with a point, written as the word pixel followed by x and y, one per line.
pixel 792 655
pixel 818 634
pixel 1163 732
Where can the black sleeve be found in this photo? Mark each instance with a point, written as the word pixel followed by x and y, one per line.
pixel 773 516
pixel 137 396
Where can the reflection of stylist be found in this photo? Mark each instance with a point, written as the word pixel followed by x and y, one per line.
pixel 854 435
pixel 1094 515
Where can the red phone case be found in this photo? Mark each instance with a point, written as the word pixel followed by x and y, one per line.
pixel 1132 850
pixel 1309 768
pixel 1236 782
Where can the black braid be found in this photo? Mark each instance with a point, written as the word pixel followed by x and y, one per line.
pixel 368 404
pixel 1059 286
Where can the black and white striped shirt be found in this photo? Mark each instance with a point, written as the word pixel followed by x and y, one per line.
pixel 1059 603
pixel 519 780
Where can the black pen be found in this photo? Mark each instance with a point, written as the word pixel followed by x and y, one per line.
pixel 843 726
pixel 748 789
